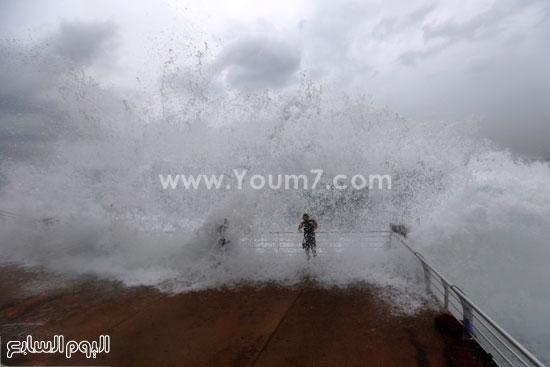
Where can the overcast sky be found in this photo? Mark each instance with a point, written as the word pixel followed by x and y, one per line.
pixel 425 59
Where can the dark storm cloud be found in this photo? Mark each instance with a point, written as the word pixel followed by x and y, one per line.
pixel 30 70
pixel 26 110
pixel 477 27
pixel 410 58
pixel 493 63
pixel 84 42
pixel 258 62
pixel 390 26
pixel 422 58
pixel 486 24
pixel 31 76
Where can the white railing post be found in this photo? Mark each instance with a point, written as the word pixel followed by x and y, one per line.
pixel 427 277
pixel 467 318
pixel 446 295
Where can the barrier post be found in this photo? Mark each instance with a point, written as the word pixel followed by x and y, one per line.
pixel 467 318
pixel 427 277
pixel 446 299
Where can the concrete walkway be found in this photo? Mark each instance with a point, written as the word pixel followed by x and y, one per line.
pixel 246 326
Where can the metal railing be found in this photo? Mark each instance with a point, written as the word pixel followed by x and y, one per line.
pixel 505 350
pixel 328 243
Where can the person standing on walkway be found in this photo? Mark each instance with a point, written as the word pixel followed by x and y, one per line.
pixel 309 226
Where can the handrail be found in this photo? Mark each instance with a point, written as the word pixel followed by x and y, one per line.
pixel 378 233
pixel 471 311
pixel 333 242
pixel 493 338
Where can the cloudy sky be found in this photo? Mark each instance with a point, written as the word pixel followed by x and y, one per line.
pixel 449 60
